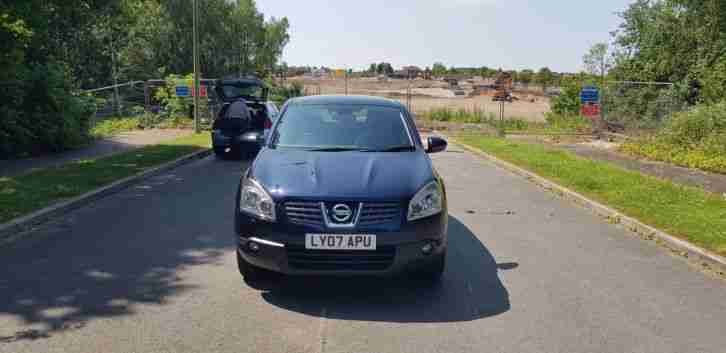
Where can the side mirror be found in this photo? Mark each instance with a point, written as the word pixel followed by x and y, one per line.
pixel 436 144
pixel 254 137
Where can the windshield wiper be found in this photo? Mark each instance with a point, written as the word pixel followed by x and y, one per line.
pixel 397 148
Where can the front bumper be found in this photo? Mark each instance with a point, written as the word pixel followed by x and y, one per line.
pixel 281 248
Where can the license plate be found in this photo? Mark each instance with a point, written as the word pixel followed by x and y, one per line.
pixel 340 241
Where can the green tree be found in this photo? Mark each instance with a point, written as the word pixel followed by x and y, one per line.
pixel 438 69
pixel 525 77
pixel 568 101
pixel 49 49
pixel 487 72
pixel 598 60
pixel 673 41
pixel 384 68
pixel 545 77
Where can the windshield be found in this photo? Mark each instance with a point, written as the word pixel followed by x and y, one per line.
pixel 243 91
pixel 342 127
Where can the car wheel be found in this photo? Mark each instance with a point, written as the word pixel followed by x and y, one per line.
pixel 250 272
pixel 433 271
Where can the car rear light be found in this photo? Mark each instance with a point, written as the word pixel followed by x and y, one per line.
pixel 268 124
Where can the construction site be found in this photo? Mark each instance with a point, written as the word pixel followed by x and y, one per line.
pixel 426 94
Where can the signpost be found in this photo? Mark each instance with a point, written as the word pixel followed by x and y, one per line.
pixel 590 95
pixel 195 54
pixel 187 91
pixel 182 91
pixel 590 99
pixel 202 91
pixel 591 110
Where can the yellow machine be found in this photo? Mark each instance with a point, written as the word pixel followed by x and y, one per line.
pixel 503 85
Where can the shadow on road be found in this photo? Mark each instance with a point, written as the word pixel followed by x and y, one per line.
pixel 470 290
pixel 103 259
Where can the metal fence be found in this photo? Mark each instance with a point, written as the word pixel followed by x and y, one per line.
pixel 139 97
pixel 422 96
pixel 118 100
pixel 626 107
pixel 632 107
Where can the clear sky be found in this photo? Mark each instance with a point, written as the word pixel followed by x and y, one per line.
pixel 512 34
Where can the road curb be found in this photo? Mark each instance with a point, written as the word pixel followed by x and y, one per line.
pixel 705 258
pixel 11 230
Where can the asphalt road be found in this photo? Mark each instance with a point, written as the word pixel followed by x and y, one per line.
pixel 152 269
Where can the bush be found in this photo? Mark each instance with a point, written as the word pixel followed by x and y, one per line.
pixel 281 93
pixel 694 139
pixel 40 114
pixel 112 126
pixel 695 126
pixel 568 122
pixel 568 102
pixel 460 116
pixel 556 123
pixel 171 104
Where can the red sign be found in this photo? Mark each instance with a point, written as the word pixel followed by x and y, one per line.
pixel 591 110
pixel 202 91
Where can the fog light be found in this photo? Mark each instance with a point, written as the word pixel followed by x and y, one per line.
pixel 426 249
pixel 254 247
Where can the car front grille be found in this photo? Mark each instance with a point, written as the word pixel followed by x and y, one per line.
pixel 304 212
pixel 310 213
pixel 378 213
pixel 340 260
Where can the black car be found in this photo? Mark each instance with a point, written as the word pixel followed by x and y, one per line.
pixel 343 185
pixel 243 116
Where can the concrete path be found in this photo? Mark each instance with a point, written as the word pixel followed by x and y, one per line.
pixel 119 143
pixel 152 269
pixel 711 182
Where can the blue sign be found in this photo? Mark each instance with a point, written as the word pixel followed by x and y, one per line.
pixel 182 91
pixel 590 95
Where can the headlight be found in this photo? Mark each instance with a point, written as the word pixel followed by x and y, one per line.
pixel 254 200
pixel 426 202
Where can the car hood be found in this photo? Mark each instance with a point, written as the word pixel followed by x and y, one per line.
pixel 341 175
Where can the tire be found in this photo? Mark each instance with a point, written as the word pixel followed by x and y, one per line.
pixel 433 271
pixel 250 272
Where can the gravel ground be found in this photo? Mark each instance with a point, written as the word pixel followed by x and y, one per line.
pixel 429 95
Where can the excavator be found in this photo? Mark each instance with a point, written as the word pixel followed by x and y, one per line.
pixel 503 84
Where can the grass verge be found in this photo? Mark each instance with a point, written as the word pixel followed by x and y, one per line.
pixel 554 124
pixel 30 192
pixel 689 213
pixel 115 125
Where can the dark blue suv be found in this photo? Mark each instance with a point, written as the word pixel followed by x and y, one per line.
pixel 342 185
